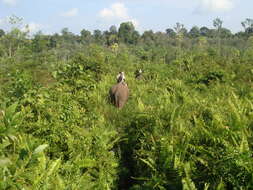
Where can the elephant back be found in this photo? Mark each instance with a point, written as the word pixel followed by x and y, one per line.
pixel 119 94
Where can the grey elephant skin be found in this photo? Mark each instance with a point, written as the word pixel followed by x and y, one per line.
pixel 119 94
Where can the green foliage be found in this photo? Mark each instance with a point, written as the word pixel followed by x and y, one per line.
pixel 211 77
pixel 19 84
pixel 187 123
pixel 127 33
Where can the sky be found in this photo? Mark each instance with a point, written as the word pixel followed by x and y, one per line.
pixel 51 16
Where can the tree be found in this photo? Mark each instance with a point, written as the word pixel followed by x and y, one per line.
pixel 53 41
pixel 15 39
pixel 98 37
pixel 135 37
pixel 170 32
pixel 148 37
pixel 15 21
pixel 111 38
pixel 65 31
pixel 194 32
pixel 127 33
pixel 68 37
pixel 113 29
pixel 85 36
pixel 217 23
pixel 180 33
pixel 204 31
pixel 66 44
pixel 250 41
pixel 180 29
pixel 2 33
pixel 225 33
pixel 239 34
pixel 39 42
pixel 248 26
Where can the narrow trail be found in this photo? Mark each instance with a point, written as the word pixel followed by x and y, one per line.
pixel 121 121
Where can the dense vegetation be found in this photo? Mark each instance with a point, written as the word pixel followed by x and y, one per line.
pixel 188 124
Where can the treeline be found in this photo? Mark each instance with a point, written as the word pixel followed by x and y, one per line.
pixel 126 34
pixel 20 50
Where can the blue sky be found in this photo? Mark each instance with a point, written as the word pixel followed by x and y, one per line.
pixel 51 16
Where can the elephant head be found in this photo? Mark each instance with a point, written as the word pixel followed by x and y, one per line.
pixel 121 77
pixel 119 93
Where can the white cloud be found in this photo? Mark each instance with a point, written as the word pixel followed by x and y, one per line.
pixel 70 13
pixel 135 23
pixel 117 13
pixel 117 10
pixel 216 5
pixel 10 2
pixel 32 27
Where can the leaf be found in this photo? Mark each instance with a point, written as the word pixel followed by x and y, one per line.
pixel 4 144
pixel 40 149
pixel 60 182
pixel 87 163
pixel 54 74
pixel 244 146
pixel 17 119
pixel 53 167
pixel 221 186
pixel 188 184
pixel 141 106
pixel 4 162
pixel 42 162
pixel 11 110
pixel 149 163
pixel 206 186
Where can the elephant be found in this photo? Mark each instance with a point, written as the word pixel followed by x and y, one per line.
pixel 119 93
pixel 138 74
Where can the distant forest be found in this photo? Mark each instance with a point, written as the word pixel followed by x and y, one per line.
pixel 126 33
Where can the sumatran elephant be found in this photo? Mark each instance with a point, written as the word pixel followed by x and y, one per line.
pixel 119 93
pixel 138 74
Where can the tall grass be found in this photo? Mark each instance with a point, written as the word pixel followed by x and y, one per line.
pixel 186 125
